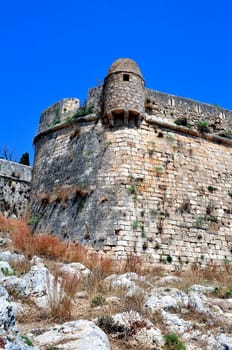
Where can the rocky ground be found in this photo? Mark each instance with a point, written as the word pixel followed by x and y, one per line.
pixel 50 305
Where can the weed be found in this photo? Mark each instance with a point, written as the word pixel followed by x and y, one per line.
pixel 159 170
pixel 230 194
pixel 84 110
pixel 135 225
pixel 98 300
pixel 27 340
pixel 6 272
pixel 212 188
pixel 172 342
pixel 142 213
pixel 132 189
pixel 143 233
pixel 61 291
pixel 169 259
pixel 133 263
pixel 34 220
pixel 202 126
pixel 181 121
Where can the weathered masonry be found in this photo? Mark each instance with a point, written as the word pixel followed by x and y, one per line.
pixel 136 170
pixel 15 183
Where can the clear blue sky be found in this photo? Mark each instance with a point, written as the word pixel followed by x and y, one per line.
pixel 55 49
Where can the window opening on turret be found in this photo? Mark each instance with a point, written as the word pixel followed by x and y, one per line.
pixel 126 77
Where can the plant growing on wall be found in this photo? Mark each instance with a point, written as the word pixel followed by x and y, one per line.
pixel 202 126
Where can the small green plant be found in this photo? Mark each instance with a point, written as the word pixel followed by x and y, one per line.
pixel 85 110
pixel 202 126
pixel 27 340
pixel 142 213
pixel 135 225
pixel 172 342
pixel 132 189
pixel 204 219
pixel 181 121
pixel 230 194
pixel 143 233
pixel 34 220
pixel 98 300
pixel 212 188
pixel 159 170
pixel 169 259
pixel 6 272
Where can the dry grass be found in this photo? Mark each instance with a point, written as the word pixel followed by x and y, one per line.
pixel 211 274
pixel 61 293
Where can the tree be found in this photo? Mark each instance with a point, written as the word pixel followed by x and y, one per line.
pixel 5 153
pixel 25 159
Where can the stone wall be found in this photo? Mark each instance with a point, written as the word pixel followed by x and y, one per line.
pixel 157 190
pixel 58 113
pixel 172 108
pixel 15 181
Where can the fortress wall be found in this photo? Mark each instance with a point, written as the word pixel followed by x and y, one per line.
pixel 147 190
pixel 15 180
pixel 174 193
pixel 58 112
pixel 173 107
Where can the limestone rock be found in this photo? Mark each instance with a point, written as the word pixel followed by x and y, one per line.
pixel 81 335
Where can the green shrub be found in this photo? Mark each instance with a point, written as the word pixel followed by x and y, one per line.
pixel 202 126
pixel 169 259
pixel 212 188
pixel 172 342
pixel 27 340
pixel 6 272
pixel 98 300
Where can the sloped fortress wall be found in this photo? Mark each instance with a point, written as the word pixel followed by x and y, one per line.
pixel 162 190
pixel 15 181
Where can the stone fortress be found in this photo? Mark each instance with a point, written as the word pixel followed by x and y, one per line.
pixel 136 171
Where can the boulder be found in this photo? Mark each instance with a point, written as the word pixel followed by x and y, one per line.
pixel 81 335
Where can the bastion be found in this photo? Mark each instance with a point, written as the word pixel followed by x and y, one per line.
pixel 136 171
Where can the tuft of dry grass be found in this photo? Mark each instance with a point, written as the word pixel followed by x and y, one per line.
pixel 133 263
pixel 213 274
pixel 61 292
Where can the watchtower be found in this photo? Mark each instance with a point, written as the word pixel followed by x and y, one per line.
pixel 123 92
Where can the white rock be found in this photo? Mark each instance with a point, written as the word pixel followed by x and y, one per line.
pixel 175 323
pixel 201 289
pixel 77 269
pixel 81 335
pixel 11 256
pixel 38 284
pixel 166 298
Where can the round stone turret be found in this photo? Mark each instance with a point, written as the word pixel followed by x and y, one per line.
pixel 124 93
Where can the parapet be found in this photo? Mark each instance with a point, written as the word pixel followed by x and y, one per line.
pixel 58 112
pixel 15 170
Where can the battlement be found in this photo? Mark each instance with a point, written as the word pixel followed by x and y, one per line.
pixel 58 113
pixel 15 171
